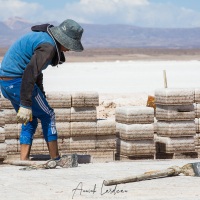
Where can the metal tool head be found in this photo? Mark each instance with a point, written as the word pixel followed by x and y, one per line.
pixel 196 168
pixel 191 169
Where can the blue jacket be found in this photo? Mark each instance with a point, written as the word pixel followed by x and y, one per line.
pixel 19 55
pixel 28 56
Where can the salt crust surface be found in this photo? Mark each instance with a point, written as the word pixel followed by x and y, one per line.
pixel 121 83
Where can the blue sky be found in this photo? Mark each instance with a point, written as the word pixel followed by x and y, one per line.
pixel 146 13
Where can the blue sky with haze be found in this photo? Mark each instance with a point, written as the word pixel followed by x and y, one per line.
pixel 146 13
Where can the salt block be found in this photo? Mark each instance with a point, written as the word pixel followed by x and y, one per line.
pixel 197 149
pixel 134 115
pixel 175 112
pixel 134 157
pixel 197 140
pixel 101 155
pixel 11 145
pixel 59 99
pixel 5 103
pixel 197 125
pixel 197 110
pixel 2 135
pixel 135 131
pixel 83 128
pixel 176 128
pixel 83 114
pixel 175 145
pixel 64 144
pixel 3 150
pixel 197 95
pixel 12 131
pixel 40 154
pixel 91 99
pixel 174 96
pixel 46 146
pixel 137 147
pixel 106 127
pixel 106 142
pixel 78 99
pixel 38 144
pixel 10 116
pixel 85 99
pixel 2 118
pixel 79 152
pixel 63 129
pixel 62 114
pixel 82 143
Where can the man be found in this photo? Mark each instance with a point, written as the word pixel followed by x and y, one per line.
pixel 21 78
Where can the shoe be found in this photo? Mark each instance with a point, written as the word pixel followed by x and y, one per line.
pixel 68 161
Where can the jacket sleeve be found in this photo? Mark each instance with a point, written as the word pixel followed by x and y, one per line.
pixel 43 54
pixel 39 83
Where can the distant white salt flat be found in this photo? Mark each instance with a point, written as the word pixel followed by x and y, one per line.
pixel 122 76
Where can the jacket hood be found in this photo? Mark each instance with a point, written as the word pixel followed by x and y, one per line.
pixel 60 57
pixel 41 28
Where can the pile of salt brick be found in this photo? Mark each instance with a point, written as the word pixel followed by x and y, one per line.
pixel 197 120
pixel 175 126
pixel 78 128
pixel 8 129
pixel 135 132
pixel 3 150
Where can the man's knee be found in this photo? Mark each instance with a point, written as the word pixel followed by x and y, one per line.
pixel 49 128
pixel 50 138
pixel 28 130
pixel 26 139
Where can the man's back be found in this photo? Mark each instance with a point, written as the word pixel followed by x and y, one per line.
pixel 20 53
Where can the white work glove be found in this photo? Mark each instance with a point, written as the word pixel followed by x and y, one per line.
pixel 24 115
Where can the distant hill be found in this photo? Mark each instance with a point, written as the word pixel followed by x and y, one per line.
pixel 114 35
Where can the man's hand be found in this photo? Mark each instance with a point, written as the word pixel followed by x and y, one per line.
pixel 24 115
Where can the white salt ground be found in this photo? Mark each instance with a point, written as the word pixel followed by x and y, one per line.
pixel 130 77
pixel 121 83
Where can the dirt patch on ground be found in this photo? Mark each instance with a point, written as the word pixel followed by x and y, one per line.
pixel 96 55
pixel 123 54
pixel 109 102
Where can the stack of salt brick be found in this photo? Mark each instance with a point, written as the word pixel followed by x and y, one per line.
pixel 89 135
pixel 3 151
pixel 61 102
pixel 135 132
pixel 197 120
pixel 175 126
pixel 78 129
pixel 8 137
pixel 10 131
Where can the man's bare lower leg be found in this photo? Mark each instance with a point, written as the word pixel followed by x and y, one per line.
pixel 25 151
pixel 53 149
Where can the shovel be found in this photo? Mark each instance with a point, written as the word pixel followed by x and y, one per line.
pixel 190 169
pixel 66 161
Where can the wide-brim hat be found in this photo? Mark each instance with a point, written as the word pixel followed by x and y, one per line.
pixel 68 34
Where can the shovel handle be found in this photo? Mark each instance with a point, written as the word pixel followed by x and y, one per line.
pixel 172 171
pixel 165 78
